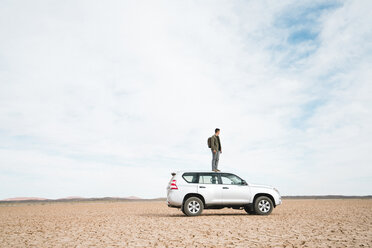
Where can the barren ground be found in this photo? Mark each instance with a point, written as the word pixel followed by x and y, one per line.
pixel 296 223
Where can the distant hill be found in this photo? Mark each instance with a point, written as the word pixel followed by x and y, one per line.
pixel 133 198
pixel 25 199
pixel 71 198
pixel 325 197
pixel 74 199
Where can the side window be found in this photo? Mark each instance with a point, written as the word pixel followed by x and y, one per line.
pixel 190 177
pixel 226 180
pixel 208 178
pixel 230 179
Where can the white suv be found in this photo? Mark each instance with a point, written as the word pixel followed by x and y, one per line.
pixel 197 190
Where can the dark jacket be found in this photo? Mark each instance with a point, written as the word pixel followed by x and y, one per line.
pixel 214 143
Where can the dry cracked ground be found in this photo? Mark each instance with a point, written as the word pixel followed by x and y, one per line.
pixel 296 223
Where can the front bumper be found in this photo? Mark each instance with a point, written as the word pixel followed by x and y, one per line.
pixel 279 201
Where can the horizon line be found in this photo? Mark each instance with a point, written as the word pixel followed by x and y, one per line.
pixel 135 198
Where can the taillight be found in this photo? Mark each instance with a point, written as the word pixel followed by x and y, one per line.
pixel 173 185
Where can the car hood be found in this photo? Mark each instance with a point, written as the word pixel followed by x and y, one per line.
pixel 260 186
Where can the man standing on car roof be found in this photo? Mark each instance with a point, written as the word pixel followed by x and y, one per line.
pixel 216 149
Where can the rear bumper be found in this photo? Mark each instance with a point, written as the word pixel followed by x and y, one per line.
pixel 172 206
pixel 174 199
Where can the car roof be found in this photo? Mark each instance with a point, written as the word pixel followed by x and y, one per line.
pixel 201 171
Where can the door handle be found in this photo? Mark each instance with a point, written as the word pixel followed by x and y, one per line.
pixel 225 187
pixel 202 187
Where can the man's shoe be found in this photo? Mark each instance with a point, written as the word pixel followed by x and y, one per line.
pixel 217 170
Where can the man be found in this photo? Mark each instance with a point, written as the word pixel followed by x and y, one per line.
pixel 216 149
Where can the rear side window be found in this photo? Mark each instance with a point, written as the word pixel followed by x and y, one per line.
pixel 208 178
pixel 190 177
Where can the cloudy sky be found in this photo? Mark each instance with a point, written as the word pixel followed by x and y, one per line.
pixel 107 98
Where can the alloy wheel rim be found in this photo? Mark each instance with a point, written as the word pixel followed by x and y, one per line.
pixel 193 207
pixel 264 206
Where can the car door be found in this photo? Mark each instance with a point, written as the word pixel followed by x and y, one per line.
pixel 234 190
pixel 210 188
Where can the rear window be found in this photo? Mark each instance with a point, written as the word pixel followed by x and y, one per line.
pixel 190 177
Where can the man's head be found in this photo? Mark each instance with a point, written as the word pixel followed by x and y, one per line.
pixel 217 131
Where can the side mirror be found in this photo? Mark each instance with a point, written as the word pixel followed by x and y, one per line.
pixel 244 182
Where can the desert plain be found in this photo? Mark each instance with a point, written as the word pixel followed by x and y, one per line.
pixel 295 223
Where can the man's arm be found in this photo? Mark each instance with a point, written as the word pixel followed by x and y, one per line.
pixel 219 143
pixel 213 144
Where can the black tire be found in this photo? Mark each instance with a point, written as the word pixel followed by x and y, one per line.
pixel 248 210
pixel 193 206
pixel 263 205
pixel 183 211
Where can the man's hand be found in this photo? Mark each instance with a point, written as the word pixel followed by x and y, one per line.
pixel 221 151
pixel 214 151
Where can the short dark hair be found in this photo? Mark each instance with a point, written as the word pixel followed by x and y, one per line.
pixel 216 130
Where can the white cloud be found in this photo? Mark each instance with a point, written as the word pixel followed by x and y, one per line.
pixel 95 98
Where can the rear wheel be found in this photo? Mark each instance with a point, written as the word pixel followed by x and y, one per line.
pixel 193 206
pixel 263 205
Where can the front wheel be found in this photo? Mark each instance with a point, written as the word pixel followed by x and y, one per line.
pixel 193 206
pixel 248 210
pixel 263 205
